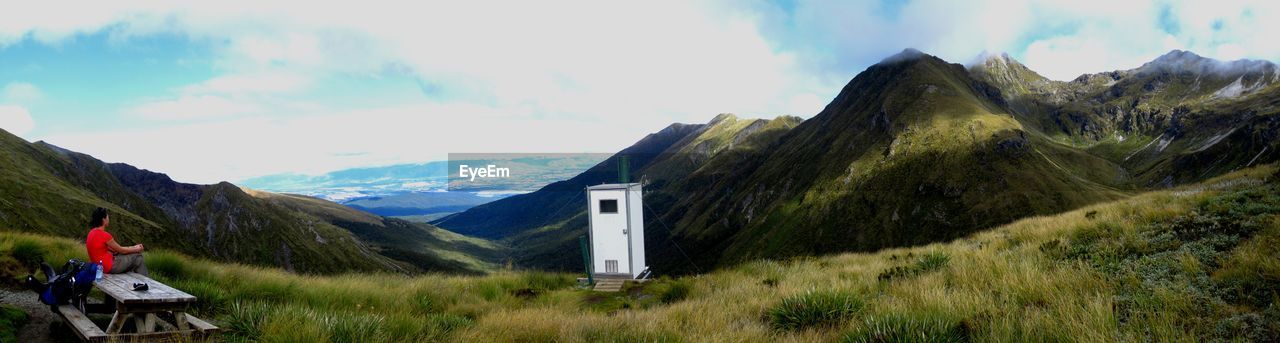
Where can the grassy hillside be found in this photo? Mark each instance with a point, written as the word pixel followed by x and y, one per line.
pixel 1193 263
pixel 49 190
pixel 916 150
pixel 519 213
pixel 911 151
pixel 424 246
pixel 706 154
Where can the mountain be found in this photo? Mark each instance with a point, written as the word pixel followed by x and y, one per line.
pixel 347 185
pixel 49 190
pixel 1177 119
pixel 356 183
pixel 427 247
pixel 704 157
pixel 419 203
pixel 915 150
pixel 522 212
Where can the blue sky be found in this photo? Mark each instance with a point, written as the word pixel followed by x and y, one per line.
pixel 231 90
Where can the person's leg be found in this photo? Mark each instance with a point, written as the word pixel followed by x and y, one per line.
pixel 141 266
pixel 125 263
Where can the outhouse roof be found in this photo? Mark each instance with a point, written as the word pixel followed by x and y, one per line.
pixel 613 186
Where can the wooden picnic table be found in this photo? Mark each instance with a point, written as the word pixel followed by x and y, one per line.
pixel 142 307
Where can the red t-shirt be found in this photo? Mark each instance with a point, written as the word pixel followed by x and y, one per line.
pixel 97 246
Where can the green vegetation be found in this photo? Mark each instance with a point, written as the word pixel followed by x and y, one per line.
pixel 913 327
pixel 1195 263
pixel 812 309
pixel 51 191
pixel 929 262
pixel 11 318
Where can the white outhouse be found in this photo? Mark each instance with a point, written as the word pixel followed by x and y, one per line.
pixel 615 214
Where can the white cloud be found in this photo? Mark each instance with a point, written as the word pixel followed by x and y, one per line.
pixel 585 75
pixel 16 120
pixel 570 76
pixel 251 83
pixel 207 152
pixel 21 92
pixel 194 107
pixel 1061 39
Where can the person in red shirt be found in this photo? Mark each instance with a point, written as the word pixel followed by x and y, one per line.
pixel 103 248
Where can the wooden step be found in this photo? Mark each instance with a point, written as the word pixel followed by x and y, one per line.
pixel 609 285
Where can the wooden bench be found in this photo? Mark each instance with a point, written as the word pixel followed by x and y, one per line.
pixel 142 307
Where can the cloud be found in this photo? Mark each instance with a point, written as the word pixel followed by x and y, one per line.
pixel 569 76
pixel 1061 39
pixel 194 107
pixel 239 148
pixel 21 92
pixel 250 83
pixel 16 120
pixel 503 76
pixel 675 59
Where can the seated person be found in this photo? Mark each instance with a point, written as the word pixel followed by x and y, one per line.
pixel 115 259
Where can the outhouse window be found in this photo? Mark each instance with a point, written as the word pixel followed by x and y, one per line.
pixel 609 206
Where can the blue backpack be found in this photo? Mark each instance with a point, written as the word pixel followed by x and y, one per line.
pixel 71 286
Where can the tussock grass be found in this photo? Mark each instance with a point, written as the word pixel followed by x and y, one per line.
pixel 814 308
pixel 1197 263
pixel 914 328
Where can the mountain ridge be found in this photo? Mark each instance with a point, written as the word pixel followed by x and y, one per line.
pixel 51 190
pixel 957 149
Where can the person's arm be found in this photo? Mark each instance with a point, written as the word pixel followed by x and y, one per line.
pixel 136 248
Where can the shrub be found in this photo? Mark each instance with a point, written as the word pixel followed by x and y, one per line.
pixel 813 308
pixel 210 298
pixel 167 266
pixel 443 323
pixel 619 333
pixel 245 320
pixel 426 302
pixel 350 327
pixel 926 263
pixel 28 252
pixel 676 290
pixel 932 261
pixel 547 281
pixel 908 328
pixel 11 318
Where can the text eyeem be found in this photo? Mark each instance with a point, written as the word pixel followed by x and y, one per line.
pixel 465 171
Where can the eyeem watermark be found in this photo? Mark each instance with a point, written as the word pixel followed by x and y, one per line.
pixel 515 173
pixel 485 172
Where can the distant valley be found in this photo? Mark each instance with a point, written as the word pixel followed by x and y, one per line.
pixel 426 191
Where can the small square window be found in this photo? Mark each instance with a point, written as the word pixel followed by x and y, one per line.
pixel 609 206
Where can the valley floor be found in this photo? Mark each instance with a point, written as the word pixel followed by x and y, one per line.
pixel 1194 263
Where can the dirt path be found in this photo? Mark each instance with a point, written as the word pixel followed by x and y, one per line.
pixel 38 327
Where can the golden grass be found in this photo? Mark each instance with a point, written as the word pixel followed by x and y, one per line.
pixel 998 285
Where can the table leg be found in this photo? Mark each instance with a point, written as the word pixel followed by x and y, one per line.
pixel 181 318
pixel 138 325
pixel 151 322
pixel 117 322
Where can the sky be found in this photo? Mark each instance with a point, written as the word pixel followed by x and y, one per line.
pixel 228 90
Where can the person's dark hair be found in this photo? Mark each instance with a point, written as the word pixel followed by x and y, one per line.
pixel 98 215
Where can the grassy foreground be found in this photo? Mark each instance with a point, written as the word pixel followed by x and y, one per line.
pixel 1196 263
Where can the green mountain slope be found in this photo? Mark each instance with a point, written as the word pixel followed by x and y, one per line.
pixel 917 150
pixel 519 213
pixel 1179 118
pixel 912 151
pixel 1196 263
pixel 723 141
pixel 427 247
pixel 49 190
